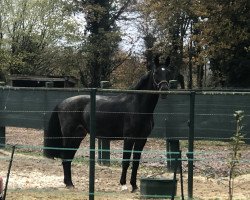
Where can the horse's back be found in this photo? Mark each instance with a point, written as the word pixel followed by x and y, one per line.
pixel 110 111
pixel 74 103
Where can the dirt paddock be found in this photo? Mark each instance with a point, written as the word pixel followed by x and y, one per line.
pixel 35 177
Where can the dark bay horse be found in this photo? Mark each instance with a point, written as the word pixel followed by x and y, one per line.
pixel 125 116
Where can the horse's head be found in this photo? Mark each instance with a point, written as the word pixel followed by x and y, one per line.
pixel 161 74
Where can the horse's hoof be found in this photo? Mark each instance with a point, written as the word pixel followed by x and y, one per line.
pixel 134 189
pixel 70 186
pixel 124 188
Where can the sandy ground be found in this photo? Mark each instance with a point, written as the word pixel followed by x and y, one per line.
pixel 35 177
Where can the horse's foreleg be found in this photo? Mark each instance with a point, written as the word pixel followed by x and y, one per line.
pixel 139 144
pixel 127 150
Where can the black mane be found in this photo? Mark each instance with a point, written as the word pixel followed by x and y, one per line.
pixel 142 82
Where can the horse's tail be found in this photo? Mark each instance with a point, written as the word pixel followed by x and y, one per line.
pixel 53 137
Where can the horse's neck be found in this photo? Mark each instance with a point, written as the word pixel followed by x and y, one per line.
pixel 147 102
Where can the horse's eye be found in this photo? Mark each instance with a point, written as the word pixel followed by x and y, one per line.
pixel 157 72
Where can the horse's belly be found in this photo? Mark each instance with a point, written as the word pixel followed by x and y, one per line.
pixel 109 128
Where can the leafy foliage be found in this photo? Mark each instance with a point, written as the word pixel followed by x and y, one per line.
pixel 103 37
pixel 196 33
pixel 224 39
pixel 41 37
pixel 129 71
pixel 31 32
pixel 237 140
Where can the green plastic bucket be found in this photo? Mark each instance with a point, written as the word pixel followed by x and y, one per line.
pixel 158 188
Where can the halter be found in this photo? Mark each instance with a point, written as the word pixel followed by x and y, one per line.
pixel 157 85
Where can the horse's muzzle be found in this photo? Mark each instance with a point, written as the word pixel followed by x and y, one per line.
pixel 164 86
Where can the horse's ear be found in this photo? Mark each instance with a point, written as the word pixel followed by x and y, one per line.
pixel 167 62
pixel 157 61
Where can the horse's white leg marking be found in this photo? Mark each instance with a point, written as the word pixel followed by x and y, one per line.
pixel 124 188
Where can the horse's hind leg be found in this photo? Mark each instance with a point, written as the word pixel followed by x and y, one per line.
pixel 138 147
pixel 73 144
pixel 67 173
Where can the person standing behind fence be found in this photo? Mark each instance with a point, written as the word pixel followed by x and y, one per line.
pixel 1 188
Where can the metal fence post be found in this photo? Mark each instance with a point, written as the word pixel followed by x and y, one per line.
pixel 173 145
pixel 2 128
pixel 191 145
pixel 8 174
pixel 2 137
pixel 92 144
pixel 104 144
pixel 46 115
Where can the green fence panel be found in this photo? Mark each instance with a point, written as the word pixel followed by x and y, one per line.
pixel 31 108
pixel 22 108
pixel 171 117
pixel 213 116
pixel 28 107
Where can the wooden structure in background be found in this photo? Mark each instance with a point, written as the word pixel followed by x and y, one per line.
pixel 43 81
